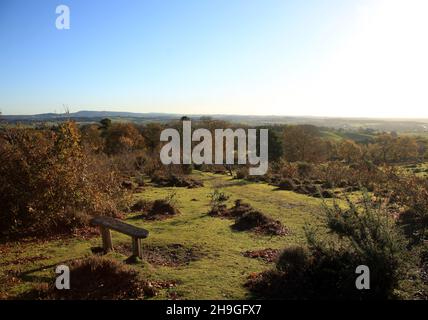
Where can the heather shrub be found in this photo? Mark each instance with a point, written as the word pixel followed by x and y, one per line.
pixel 162 179
pixel 260 223
pixel 97 278
pixel 141 206
pixel 163 208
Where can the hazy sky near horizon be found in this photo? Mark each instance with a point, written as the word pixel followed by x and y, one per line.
pixel 365 58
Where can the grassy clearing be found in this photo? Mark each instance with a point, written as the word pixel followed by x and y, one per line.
pixel 419 169
pixel 221 270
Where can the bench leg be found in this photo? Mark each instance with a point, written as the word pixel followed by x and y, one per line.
pixel 136 248
pixel 106 236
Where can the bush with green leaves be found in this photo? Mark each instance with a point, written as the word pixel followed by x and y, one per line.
pixel 218 198
pixel 358 235
pixel 411 192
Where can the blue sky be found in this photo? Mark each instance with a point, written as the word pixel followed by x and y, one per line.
pixel 314 57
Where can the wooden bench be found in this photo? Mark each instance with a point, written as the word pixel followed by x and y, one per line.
pixel 108 223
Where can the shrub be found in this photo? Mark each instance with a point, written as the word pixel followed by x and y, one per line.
pixel 48 184
pixel 217 200
pixel 412 193
pixel 304 169
pixel 258 222
pixel 162 208
pixel 240 208
pixel 140 181
pixel 187 168
pixel 287 184
pixel 158 209
pixel 219 209
pixel 97 278
pixel 241 173
pixel 362 235
pixel 372 239
pixel 327 185
pixel 312 188
pixel 293 259
pixel 175 180
pixel 326 194
pixel 301 189
pixel 141 205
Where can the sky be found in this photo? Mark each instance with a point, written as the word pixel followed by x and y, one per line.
pixel 333 58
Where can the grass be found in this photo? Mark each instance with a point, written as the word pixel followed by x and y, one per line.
pixel 221 271
pixel 338 136
pixel 419 169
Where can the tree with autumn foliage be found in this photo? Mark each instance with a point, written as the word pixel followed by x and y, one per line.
pixel 49 184
pixel 349 151
pixel 123 137
pixel 303 143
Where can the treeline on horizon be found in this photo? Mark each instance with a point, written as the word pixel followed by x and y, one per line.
pixel 291 142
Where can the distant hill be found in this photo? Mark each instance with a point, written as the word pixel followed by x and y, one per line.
pixel 106 114
pixel 87 116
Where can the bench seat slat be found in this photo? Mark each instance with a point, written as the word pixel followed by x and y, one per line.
pixel 120 226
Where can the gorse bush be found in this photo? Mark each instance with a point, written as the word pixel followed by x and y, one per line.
pixel 48 184
pixel 326 269
pixel 293 259
pixel 370 236
pixel 412 193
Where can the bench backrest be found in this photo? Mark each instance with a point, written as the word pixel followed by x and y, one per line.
pixel 117 225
